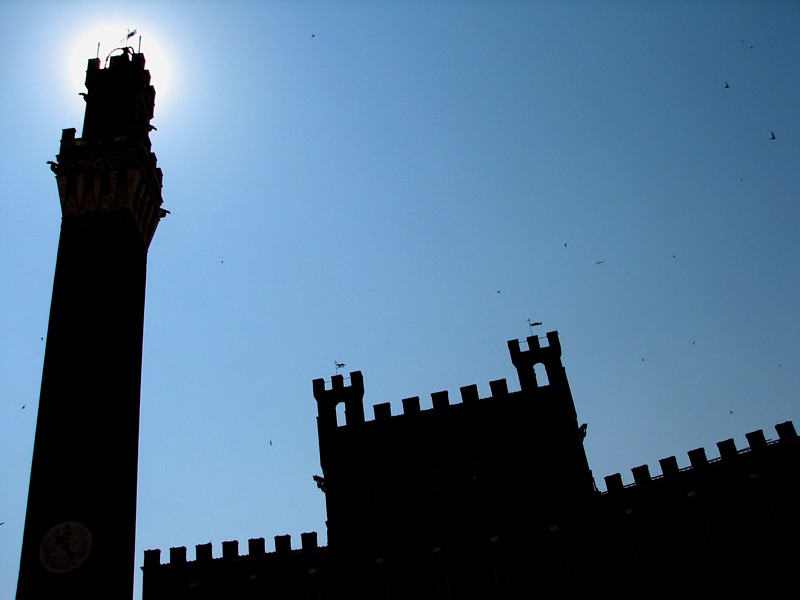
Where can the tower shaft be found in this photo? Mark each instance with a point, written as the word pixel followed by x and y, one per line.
pixel 79 538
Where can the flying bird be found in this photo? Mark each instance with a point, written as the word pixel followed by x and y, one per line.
pixel 726 85
pixel 129 36
pixel 773 135
pixel 498 291
pixel 599 262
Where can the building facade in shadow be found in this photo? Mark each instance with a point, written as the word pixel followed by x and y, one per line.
pixel 484 498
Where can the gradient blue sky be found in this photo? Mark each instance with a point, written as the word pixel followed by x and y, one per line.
pixel 354 181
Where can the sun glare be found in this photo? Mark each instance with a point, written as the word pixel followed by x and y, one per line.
pixel 109 38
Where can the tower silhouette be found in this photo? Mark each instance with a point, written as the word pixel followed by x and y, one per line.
pixel 79 536
pixel 455 482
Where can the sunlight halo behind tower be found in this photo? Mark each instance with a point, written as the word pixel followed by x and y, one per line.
pixel 111 34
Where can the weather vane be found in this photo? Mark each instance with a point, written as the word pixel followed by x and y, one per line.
pixel 129 35
pixel 531 324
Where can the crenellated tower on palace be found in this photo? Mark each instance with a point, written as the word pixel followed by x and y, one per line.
pixel 452 478
pixel 79 537
pixel 508 465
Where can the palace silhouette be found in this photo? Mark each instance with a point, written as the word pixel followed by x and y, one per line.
pixel 493 498
pixel 473 498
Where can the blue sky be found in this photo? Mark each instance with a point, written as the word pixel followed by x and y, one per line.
pixel 400 186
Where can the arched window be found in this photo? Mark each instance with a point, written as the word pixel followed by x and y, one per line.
pixel 541 374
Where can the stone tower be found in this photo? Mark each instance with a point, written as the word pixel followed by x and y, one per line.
pixel 450 483
pixel 79 537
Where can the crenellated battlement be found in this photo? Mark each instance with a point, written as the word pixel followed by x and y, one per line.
pixel 110 176
pixel 352 396
pixel 256 548
pixel 699 460
pixel 111 169
pixel 525 362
